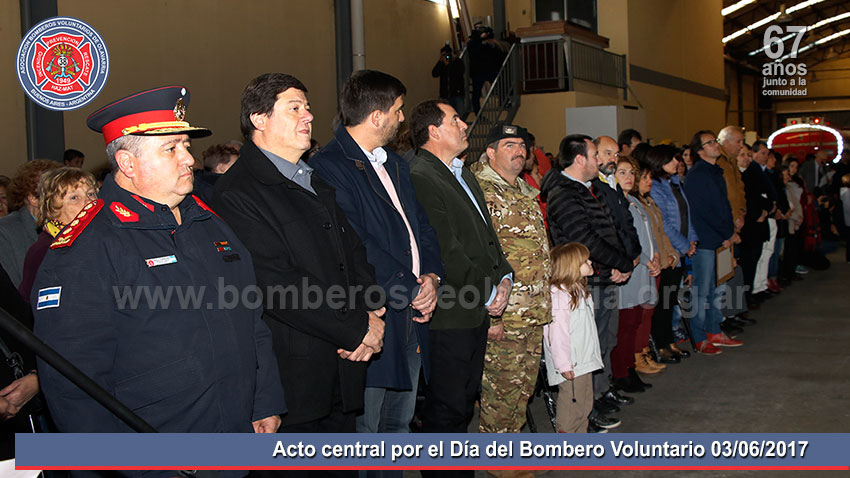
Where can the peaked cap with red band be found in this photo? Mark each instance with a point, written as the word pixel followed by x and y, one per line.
pixel 155 112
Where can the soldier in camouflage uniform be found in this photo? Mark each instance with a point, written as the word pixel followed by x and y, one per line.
pixel 515 339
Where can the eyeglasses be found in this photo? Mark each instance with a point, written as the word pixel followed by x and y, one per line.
pixel 711 141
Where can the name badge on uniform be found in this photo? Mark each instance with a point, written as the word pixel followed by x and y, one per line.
pixel 49 297
pixel 159 261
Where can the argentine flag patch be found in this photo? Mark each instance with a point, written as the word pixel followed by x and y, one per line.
pixel 48 297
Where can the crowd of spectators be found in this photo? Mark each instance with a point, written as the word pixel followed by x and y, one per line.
pixel 716 199
pixel 600 259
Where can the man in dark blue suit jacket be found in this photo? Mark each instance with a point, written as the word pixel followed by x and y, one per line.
pixel 373 187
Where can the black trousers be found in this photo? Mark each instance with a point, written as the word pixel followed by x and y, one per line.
pixel 792 253
pixel 336 422
pixel 750 253
pixel 606 312
pixel 457 364
pixel 662 317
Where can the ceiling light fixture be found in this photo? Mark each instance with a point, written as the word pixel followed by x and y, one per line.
pixel 818 42
pixel 737 6
pixel 768 19
pixel 817 25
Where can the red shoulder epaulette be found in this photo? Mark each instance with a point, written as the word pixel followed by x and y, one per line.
pixel 123 213
pixel 204 206
pixel 75 227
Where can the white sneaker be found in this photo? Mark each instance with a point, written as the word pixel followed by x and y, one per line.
pixel 801 270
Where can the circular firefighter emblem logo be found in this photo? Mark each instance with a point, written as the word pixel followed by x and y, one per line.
pixel 62 63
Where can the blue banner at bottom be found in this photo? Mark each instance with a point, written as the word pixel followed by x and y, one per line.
pixel 432 451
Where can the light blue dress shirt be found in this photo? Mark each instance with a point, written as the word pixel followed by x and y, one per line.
pixel 457 170
pixel 299 173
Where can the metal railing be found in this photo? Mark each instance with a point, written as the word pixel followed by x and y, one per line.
pixel 500 105
pixel 551 64
pixel 544 66
pixel 594 64
pixel 554 64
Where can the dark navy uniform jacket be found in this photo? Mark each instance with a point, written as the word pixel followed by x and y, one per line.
pixel 125 315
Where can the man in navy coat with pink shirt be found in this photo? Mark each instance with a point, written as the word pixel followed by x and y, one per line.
pixel 373 187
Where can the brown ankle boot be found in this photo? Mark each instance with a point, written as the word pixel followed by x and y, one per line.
pixel 642 366
pixel 652 363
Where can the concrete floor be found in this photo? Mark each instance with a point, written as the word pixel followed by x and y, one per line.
pixel 791 375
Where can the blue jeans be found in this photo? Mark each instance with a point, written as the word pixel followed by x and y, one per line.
pixel 387 410
pixel 706 295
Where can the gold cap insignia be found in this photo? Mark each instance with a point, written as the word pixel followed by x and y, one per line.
pixel 179 110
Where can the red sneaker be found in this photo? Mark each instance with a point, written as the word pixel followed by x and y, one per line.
pixel 723 340
pixel 707 348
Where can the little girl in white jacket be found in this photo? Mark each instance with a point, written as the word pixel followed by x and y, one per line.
pixel 570 342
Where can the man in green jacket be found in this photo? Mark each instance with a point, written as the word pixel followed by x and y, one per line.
pixel 478 277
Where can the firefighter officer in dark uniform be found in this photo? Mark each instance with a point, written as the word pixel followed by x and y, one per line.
pixel 111 294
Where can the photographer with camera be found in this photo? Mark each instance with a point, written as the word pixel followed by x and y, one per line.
pixel 450 70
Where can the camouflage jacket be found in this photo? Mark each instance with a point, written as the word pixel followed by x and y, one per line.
pixel 519 224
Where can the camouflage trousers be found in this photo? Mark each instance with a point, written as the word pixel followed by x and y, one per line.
pixel 510 373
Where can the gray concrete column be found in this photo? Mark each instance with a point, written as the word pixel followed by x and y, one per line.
pixel 45 128
pixel 499 18
pixel 358 36
pixel 342 23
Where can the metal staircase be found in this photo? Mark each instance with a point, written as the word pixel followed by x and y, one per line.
pixel 499 106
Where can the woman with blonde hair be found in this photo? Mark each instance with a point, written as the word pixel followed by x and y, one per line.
pixel 62 194
pixel 570 341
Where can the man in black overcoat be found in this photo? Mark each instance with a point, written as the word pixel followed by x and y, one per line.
pixel 311 265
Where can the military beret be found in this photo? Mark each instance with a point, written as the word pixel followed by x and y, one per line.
pixel 155 112
pixel 502 131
